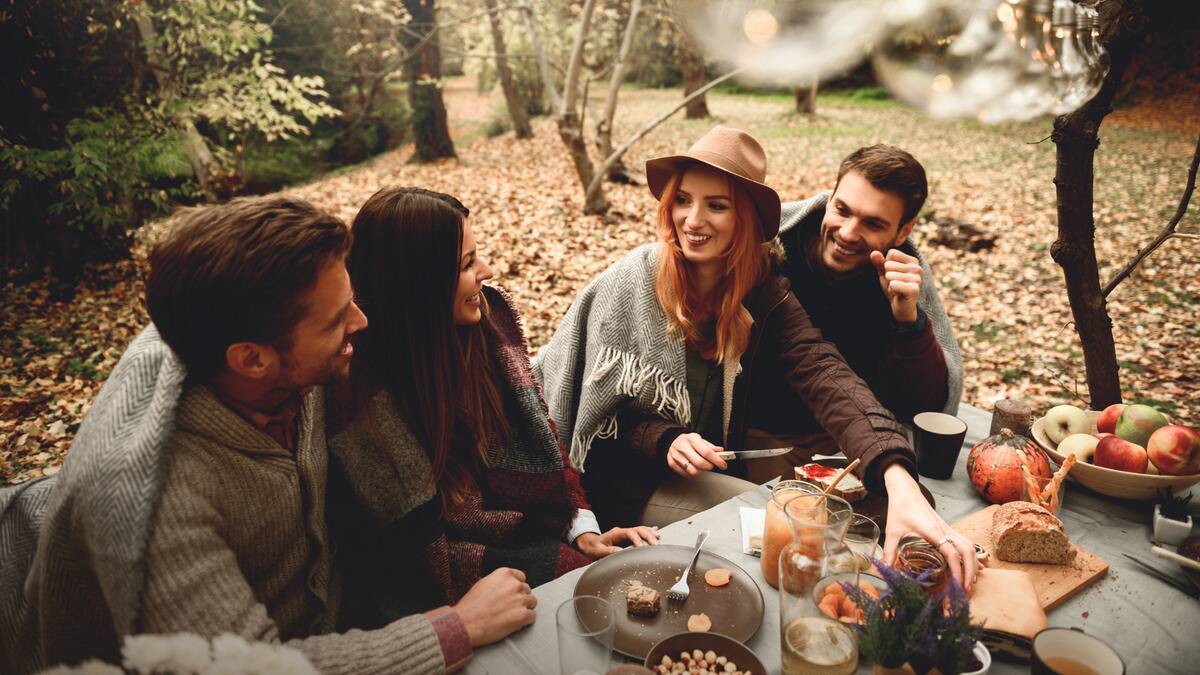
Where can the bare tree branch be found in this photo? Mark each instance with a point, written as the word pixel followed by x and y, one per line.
pixel 571 87
pixel 605 123
pixel 1167 232
pixel 598 179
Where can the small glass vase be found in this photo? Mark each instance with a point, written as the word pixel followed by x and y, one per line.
pixel 811 642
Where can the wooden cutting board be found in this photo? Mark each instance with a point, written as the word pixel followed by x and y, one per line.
pixel 1053 583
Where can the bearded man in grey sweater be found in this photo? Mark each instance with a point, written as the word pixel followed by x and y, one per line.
pixel 193 498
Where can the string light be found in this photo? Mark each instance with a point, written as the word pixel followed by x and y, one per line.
pixel 992 60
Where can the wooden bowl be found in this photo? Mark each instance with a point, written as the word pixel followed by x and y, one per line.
pixel 1111 482
pixel 723 646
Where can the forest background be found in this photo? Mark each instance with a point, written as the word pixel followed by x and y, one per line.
pixel 117 113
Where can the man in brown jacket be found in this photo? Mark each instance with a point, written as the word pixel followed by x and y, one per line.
pixel 228 525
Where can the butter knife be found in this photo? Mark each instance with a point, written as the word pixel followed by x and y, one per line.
pixel 753 454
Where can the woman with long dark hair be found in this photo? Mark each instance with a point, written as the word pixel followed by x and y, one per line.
pixel 662 360
pixel 442 428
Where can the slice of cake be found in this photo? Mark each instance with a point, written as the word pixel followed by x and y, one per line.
pixel 849 488
pixel 1026 532
pixel 641 600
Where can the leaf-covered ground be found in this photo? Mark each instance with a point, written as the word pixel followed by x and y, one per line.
pixel 1008 304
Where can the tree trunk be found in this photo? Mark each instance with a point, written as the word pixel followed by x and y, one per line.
pixel 535 40
pixel 617 170
pixel 194 144
pixel 431 131
pixel 691 62
pixel 512 97
pixel 1076 139
pixel 806 99
pixel 570 126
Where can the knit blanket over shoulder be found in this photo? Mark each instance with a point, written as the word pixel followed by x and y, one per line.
pixel 614 348
pixel 793 214
pixel 89 569
pixel 517 514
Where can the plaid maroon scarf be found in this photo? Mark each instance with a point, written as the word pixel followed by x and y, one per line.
pixel 383 509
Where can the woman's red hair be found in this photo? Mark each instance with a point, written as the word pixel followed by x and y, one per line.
pixel 745 266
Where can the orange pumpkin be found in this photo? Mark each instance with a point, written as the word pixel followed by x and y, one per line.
pixel 994 465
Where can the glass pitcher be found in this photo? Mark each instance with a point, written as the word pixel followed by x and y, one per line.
pixel 811 642
pixel 777 531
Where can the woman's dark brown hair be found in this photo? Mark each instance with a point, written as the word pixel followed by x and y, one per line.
pixel 238 272
pixel 404 266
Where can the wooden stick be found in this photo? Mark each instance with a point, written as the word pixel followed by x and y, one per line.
pixel 1031 486
pixel 1175 557
pixel 1056 482
pixel 841 474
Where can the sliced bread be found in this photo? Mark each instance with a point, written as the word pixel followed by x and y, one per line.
pixel 1026 532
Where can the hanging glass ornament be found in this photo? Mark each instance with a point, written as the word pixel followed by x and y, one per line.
pixel 1072 70
pixel 1089 36
pixel 785 41
pixel 1028 25
pixel 948 58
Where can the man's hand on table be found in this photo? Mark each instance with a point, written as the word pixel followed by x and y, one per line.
pixel 909 513
pixel 596 546
pixel 496 606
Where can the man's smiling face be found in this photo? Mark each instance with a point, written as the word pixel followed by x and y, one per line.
pixel 860 218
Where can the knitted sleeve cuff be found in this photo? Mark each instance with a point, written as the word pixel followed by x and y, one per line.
pixel 584 522
pixel 452 636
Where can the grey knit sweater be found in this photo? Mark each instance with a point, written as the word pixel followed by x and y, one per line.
pixel 148 526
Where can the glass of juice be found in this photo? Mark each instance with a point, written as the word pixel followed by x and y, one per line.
pixel 777 532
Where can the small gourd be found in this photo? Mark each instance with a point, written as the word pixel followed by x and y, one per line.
pixel 994 465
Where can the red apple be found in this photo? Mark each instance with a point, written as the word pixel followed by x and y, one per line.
pixel 1103 435
pixel 1117 453
pixel 1175 450
pixel 1107 422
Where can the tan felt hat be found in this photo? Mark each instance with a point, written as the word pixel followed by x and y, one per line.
pixel 734 152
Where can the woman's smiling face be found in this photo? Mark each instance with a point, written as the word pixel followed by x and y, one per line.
pixel 703 215
pixel 472 272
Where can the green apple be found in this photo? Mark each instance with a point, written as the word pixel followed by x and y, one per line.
pixel 1064 420
pixel 1083 446
pixel 1137 422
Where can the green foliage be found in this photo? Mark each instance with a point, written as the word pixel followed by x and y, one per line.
pixel 114 169
pixel 212 65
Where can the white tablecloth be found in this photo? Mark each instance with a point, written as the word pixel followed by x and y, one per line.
pixel 1155 628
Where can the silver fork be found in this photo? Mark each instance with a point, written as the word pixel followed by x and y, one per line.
pixel 679 592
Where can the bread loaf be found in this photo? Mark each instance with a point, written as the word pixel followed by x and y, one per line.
pixel 1025 532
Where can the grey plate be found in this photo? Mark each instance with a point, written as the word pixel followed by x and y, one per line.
pixel 736 609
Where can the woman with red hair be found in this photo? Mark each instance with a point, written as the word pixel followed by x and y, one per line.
pixel 662 360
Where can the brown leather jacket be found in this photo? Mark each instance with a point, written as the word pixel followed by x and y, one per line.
pixel 785 352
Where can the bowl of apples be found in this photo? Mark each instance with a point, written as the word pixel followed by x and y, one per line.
pixel 1125 451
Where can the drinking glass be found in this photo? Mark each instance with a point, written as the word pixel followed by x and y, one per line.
pixel 862 538
pixel 811 642
pixel 777 532
pixel 585 635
